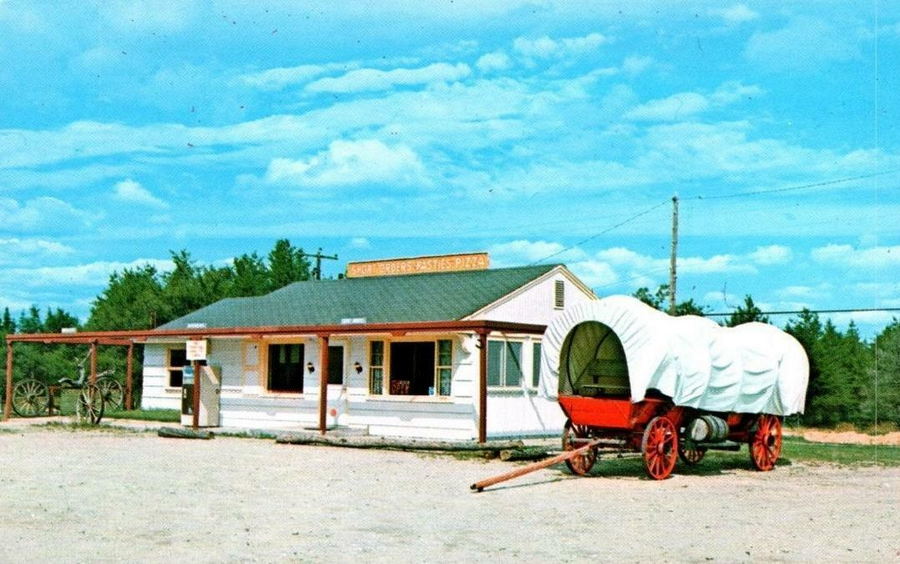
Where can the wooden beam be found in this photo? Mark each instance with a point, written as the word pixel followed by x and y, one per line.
pixel 7 405
pixel 123 337
pixel 93 379
pixel 129 381
pixel 482 386
pixel 323 381
pixel 196 399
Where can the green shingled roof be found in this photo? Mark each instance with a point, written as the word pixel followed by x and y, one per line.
pixel 445 296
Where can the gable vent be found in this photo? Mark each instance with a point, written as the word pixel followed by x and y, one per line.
pixel 559 295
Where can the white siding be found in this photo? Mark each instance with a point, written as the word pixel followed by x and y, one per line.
pixel 535 303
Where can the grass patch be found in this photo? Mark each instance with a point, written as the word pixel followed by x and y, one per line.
pixel 796 448
pixel 159 415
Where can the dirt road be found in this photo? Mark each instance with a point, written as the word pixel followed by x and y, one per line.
pixel 102 496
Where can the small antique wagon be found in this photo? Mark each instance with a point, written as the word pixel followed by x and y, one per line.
pixel 633 379
pixel 629 376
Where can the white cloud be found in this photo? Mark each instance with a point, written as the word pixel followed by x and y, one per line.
pixel 685 105
pixel 806 293
pixel 804 44
pixel 771 254
pixel 714 264
pixel 278 78
pixel 496 61
pixel 546 48
pixel 846 255
pixel 523 252
pixel 367 80
pixel 739 13
pixel 360 243
pixel 17 250
pixel 148 15
pixel 675 107
pixel 636 65
pixel 95 274
pixel 349 163
pixel 131 191
pixel 594 273
pixel 43 213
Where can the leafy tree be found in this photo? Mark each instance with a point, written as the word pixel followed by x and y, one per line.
pixel 882 399
pixel 7 326
pixel 251 277
pixel 746 313
pixel 287 264
pixel 659 300
pixel 133 299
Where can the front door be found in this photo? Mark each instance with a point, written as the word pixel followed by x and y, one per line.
pixel 336 364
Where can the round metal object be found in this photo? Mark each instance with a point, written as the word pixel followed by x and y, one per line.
pixel 765 442
pixel 89 406
pixel 113 394
pixel 583 463
pixel 30 398
pixel 660 448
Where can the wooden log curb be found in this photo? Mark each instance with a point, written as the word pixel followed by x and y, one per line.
pixel 366 441
pixel 179 433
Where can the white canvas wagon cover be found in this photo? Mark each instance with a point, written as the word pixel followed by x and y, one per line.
pixel 751 368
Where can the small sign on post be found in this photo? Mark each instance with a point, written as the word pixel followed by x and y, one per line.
pixel 195 349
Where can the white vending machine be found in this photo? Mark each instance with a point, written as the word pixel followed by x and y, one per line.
pixel 210 390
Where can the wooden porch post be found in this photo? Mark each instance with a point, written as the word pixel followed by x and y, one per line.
pixel 7 405
pixel 195 423
pixel 323 381
pixel 482 386
pixel 129 383
pixel 93 379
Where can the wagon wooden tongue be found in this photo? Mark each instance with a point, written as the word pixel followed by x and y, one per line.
pixel 567 455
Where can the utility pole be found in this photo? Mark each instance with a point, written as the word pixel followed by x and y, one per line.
pixel 672 274
pixel 317 272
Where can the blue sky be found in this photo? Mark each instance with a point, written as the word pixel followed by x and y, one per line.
pixel 538 131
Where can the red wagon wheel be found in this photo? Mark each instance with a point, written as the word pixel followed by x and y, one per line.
pixel 765 443
pixel 660 448
pixel 583 463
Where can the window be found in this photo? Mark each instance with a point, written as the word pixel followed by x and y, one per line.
pixel 444 367
pixel 421 368
pixel 535 364
pixel 175 366
pixel 376 367
pixel 177 360
pixel 286 368
pixel 559 294
pixel 504 367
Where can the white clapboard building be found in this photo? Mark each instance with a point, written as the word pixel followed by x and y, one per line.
pixel 446 354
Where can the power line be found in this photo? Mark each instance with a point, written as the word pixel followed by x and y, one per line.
pixel 607 230
pixel 792 188
pixel 852 310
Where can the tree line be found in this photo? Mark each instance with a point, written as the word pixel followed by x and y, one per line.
pixel 144 298
pixel 850 380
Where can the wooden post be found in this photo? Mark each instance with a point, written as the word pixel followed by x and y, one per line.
pixel 129 383
pixel 323 381
pixel 196 398
pixel 482 386
pixel 93 378
pixel 7 405
pixel 673 276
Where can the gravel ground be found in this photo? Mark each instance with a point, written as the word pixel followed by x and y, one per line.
pixel 90 496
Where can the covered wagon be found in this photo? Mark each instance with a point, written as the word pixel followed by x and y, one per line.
pixel 629 375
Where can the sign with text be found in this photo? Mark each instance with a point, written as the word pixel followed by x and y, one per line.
pixel 418 265
pixel 195 349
